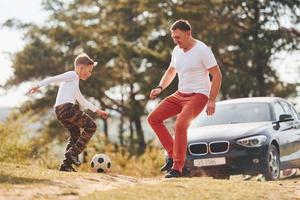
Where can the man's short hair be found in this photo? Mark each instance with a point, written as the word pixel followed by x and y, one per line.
pixel 181 24
pixel 84 59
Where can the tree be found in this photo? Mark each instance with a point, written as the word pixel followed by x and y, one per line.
pixel 244 35
pixel 131 42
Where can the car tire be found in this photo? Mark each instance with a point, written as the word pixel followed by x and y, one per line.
pixel 273 164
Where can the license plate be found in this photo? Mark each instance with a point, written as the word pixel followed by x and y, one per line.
pixel 209 162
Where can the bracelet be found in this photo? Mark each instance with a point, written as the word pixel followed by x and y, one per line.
pixel 159 87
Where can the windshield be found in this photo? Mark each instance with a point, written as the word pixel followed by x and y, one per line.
pixel 235 113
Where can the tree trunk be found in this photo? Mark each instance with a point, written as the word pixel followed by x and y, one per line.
pixel 121 130
pixel 105 128
pixel 131 140
pixel 140 135
pixel 259 54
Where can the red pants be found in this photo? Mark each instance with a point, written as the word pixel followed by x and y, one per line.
pixel 187 106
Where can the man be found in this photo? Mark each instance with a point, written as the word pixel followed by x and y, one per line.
pixel 193 61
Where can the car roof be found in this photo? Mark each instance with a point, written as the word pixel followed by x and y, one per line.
pixel 250 100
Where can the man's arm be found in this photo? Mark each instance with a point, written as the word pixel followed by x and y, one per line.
pixel 215 88
pixel 166 80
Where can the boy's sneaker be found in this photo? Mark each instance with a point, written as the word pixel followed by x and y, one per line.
pixel 168 165
pixel 66 168
pixel 173 173
pixel 72 158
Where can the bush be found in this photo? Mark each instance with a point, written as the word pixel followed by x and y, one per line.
pixel 146 165
pixel 13 147
pixel 19 145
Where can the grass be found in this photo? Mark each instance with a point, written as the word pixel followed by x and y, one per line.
pixel 33 182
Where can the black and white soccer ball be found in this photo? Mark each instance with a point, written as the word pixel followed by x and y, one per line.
pixel 101 163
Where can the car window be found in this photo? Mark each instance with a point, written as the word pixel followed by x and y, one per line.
pixel 235 113
pixel 295 113
pixel 287 108
pixel 278 110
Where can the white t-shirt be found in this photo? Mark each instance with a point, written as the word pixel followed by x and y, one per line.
pixel 68 91
pixel 192 68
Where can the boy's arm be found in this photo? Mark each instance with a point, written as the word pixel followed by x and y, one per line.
pixel 85 103
pixel 59 78
pixel 88 105
pixel 56 79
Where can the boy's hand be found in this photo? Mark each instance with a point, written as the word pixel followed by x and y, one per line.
pixel 102 113
pixel 33 90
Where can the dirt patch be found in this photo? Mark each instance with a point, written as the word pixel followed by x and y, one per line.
pixel 69 188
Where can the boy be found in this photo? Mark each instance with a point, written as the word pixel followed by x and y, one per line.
pixel 68 113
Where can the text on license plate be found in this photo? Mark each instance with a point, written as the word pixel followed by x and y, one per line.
pixel 209 162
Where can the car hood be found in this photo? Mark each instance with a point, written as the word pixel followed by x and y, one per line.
pixel 226 131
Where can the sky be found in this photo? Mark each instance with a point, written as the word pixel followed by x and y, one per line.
pixel 11 41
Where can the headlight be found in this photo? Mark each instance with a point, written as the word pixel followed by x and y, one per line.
pixel 254 141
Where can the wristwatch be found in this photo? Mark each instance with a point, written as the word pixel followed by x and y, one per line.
pixel 159 87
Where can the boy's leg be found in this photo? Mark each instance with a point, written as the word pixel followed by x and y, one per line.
pixel 192 106
pixel 70 116
pixel 84 121
pixel 63 112
pixel 74 135
pixel 169 107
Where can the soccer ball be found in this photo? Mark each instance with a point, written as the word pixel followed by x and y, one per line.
pixel 101 163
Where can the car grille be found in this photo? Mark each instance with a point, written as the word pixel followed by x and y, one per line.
pixel 202 148
pixel 199 148
pixel 218 147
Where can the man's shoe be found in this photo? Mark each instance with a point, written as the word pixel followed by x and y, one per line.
pixel 173 173
pixel 168 165
pixel 72 158
pixel 66 168
pixel 287 173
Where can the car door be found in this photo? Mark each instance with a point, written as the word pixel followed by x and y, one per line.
pixel 289 138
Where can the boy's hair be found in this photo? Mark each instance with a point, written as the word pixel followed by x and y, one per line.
pixel 84 59
pixel 181 24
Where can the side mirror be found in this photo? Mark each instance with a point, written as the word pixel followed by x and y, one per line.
pixel 282 118
pixel 286 118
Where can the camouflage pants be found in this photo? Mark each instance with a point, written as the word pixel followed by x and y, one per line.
pixel 74 120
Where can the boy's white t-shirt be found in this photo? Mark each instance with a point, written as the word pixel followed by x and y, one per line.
pixel 192 68
pixel 68 91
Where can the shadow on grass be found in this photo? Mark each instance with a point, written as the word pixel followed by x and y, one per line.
pixel 4 178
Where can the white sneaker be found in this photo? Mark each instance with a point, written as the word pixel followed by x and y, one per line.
pixel 287 173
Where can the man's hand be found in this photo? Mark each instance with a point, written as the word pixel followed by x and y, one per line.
pixel 33 90
pixel 210 108
pixel 102 113
pixel 155 92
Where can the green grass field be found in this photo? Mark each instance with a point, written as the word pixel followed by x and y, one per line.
pixel 32 182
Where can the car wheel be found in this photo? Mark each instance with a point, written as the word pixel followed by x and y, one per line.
pixel 273 164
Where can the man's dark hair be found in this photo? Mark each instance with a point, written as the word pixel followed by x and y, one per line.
pixel 181 24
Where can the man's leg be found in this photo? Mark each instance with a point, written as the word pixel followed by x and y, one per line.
pixel 192 106
pixel 169 107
